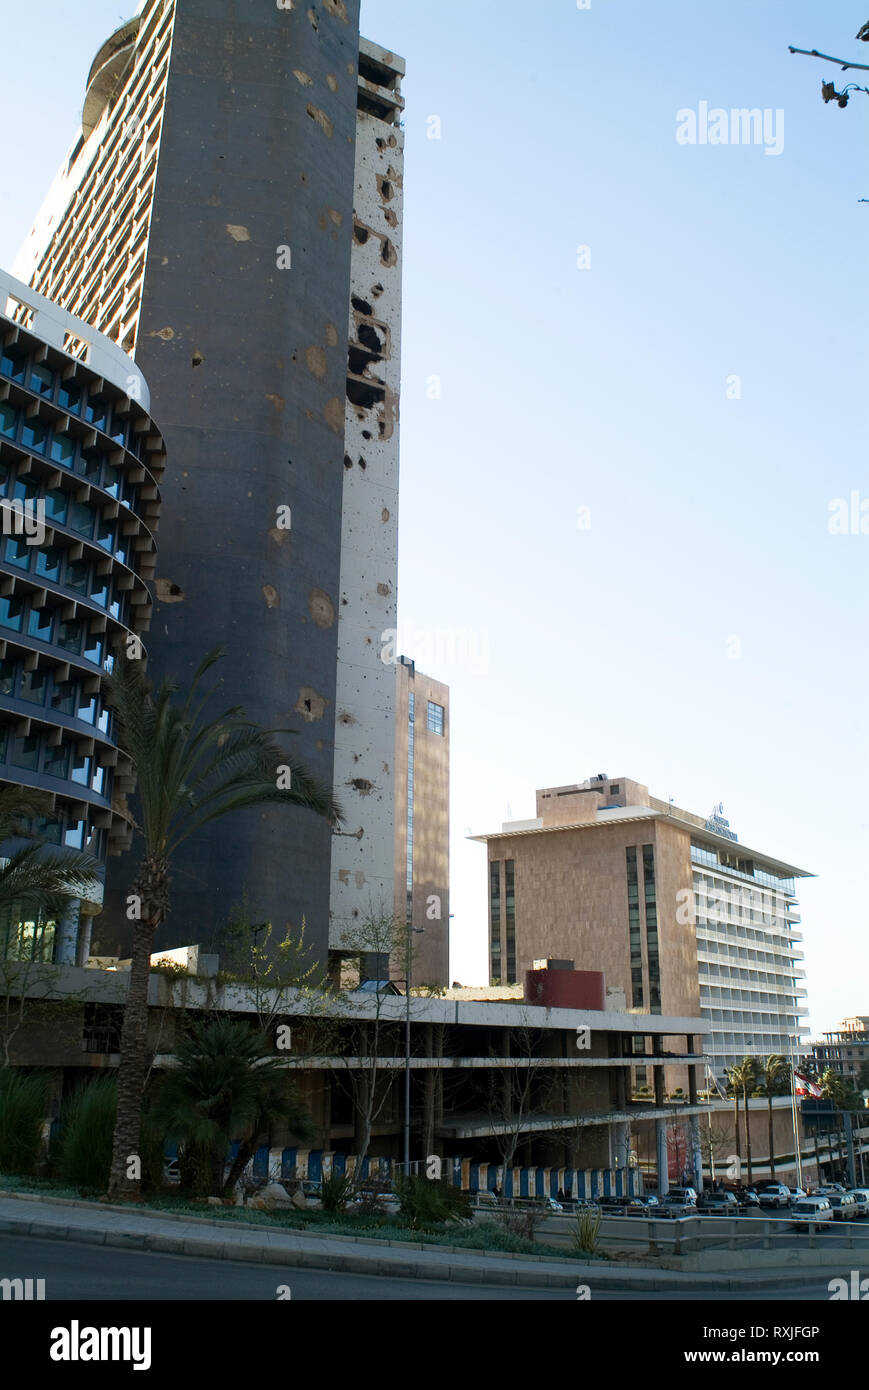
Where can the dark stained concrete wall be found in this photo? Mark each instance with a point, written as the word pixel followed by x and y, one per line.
pixel 257 152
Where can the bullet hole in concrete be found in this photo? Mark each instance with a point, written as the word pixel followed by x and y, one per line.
pixel 381 429
pixel 271 596
pixel 362 786
pixel 337 8
pixel 302 77
pixel 362 464
pixel 356 912
pixel 237 232
pixel 343 875
pixel 360 305
pixel 366 434
pixel 388 253
pixel 310 704
pixel 364 394
pixel 331 335
pixel 165 333
pixel 368 336
pixel 331 82
pixel 360 233
pixel 377 290
pixel 312 15
pixel 321 119
pixel 289 463
pixel 276 401
pixel 344 602
pixel 336 216
pixel 168 591
pixel 321 608
pixel 386 190
pixel 384 515
pixel 303 178
pixel 345 717
pixel 348 462
pixel 356 757
pixel 384 590
pixel 197 359
pixel 381 144
pixel 359 359
pixel 390 217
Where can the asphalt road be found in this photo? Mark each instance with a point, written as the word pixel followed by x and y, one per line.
pixel 96 1273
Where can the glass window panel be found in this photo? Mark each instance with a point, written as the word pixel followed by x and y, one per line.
pixel 8 420
pixel 64 697
pixel 74 835
pixel 33 686
pixel 56 761
pixel 26 487
pixel 63 450
pixel 77 575
pixel 90 466
pixel 48 829
pixel 81 769
pixel 56 504
pixel 100 590
pixel 4 478
pixel 69 396
pixel 48 562
pixel 87 708
pixel 98 781
pixel 40 623
pixel 69 635
pixel 25 753
pixel 93 649
pixel 105 535
pixel 41 379
pixel 121 550
pixel 17 552
pixel 104 721
pixel 112 480
pixel 82 518
pixel 11 613
pixel 7 677
pixel 13 363
pixel 96 411
pixel 34 434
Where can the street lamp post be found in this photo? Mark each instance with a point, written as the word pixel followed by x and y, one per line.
pixel 411 932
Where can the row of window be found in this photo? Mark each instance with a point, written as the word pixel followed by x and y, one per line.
pixel 54 565
pixel 46 625
pixel 746 868
pixel 502 963
pixel 60 509
pixel 43 688
pixel 435 718
pixel 69 396
pixel 33 754
pixel 85 461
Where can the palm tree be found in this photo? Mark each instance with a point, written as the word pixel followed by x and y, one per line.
pixel 189 771
pixel 743 1076
pixel 774 1068
pixel 228 1084
pixel 29 878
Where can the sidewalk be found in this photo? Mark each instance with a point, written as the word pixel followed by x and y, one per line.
pixel 167 1233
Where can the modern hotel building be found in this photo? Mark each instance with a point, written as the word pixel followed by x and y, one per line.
pixel 667 903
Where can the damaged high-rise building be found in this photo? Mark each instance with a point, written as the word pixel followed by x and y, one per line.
pixel 230 214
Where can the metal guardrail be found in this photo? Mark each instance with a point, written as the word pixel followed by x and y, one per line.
pixel 683 1235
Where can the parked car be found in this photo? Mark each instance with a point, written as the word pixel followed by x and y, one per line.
pixel 551 1204
pixel 688 1194
pixel 844 1205
pixel 748 1201
pixel 643 1206
pixel 674 1204
pixel 774 1194
pixel 809 1210
pixel 718 1204
pixel 797 1194
pixel 861 1197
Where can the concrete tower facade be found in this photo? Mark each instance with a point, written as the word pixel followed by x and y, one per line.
pixel 205 220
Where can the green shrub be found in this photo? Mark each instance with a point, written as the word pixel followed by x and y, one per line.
pixel 585 1237
pixel 22 1108
pixel 336 1191
pixel 425 1203
pixel 87 1127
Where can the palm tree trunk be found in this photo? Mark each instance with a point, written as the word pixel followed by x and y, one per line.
pixel 131 1072
pixel 736 1119
pixel 246 1150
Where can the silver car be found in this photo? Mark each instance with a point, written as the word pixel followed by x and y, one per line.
pixel 844 1204
pixel 809 1210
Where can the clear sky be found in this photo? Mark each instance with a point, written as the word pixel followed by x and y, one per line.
pixel 618 463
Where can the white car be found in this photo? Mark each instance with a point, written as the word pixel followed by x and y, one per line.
pixel 861 1197
pixel 809 1210
pixel 774 1194
pixel 844 1204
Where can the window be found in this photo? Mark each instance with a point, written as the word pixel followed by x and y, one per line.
pixel 34 434
pixel 100 591
pixel 69 635
pixel 25 753
pixel 652 929
pixel 614 788
pixel 77 574
pixel 97 412
pixel 81 769
pixel 11 613
pixel 40 622
pixel 69 397
pixel 18 553
pixel 33 686
pixel 435 720
pixel 87 709
pixel 64 697
pixel 495 920
pixel 48 562
pixel 42 380
pixel 63 450
pixel 112 480
pixel 82 518
pixel 510 918
pixel 98 781
pixel 4 479
pixel 26 487
pixel 56 503
pixel 74 835
pixel 8 420
pixel 24 937
pixel 90 465
pixel 93 648
pixel 13 364
pixel 7 677
pixel 634 928
pixel 105 534
pixel 56 761
pixel 47 829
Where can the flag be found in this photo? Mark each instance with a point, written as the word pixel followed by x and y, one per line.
pixel 804 1087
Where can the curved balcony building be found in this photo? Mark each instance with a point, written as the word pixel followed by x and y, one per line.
pixel 80 461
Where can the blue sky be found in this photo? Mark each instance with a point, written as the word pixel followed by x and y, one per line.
pixel 703 631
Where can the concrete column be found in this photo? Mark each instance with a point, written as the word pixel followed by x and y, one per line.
pixel 697 1153
pixel 85 928
pixel 849 1140
pixel 692 1072
pixel 661 1152
pixel 658 1074
pixel 67 934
